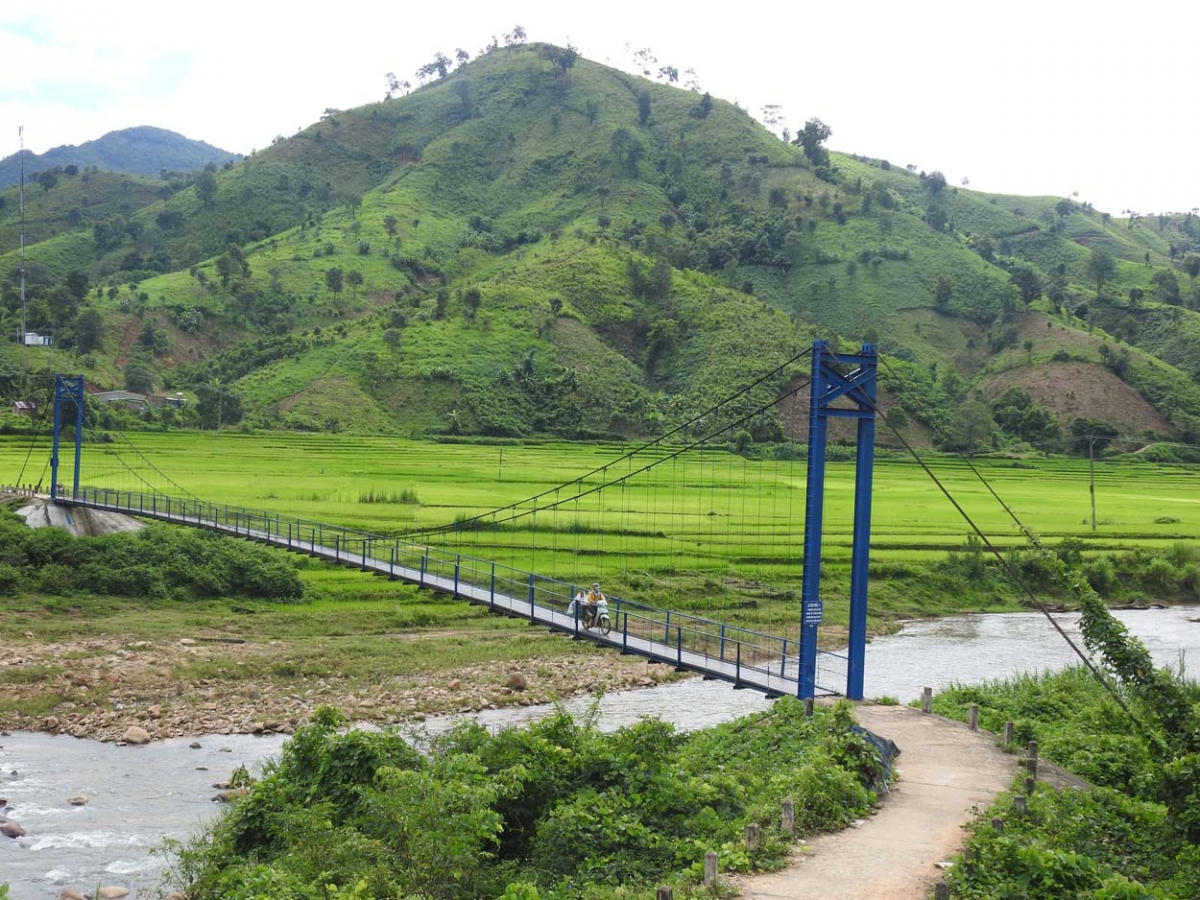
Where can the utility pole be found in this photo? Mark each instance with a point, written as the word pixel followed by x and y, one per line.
pixel 1092 479
pixel 21 137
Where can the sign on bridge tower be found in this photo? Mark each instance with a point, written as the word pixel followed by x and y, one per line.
pixel 843 386
pixel 67 389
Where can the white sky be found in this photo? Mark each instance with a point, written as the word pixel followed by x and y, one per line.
pixel 1051 97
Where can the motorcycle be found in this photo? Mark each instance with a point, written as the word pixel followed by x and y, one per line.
pixel 593 615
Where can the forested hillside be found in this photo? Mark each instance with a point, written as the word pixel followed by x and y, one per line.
pixel 533 243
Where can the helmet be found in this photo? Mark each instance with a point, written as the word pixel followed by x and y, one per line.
pixel 596 586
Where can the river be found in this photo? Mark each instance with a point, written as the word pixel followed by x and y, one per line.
pixel 141 795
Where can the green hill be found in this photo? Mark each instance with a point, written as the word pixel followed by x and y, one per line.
pixel 535 243
pixel 132 151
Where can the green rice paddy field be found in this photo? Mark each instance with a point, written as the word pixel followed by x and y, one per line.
pixel 703 529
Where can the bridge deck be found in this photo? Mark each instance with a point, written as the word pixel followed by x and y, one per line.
pixel 743 658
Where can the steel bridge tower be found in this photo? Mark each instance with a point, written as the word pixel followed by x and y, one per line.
pixel 843 386
pixel 67 389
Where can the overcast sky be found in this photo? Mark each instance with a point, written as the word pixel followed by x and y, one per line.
pixel 1023 96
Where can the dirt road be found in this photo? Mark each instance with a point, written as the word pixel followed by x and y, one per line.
pixel 945 772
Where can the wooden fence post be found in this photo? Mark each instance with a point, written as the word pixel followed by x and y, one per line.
pixel 664 893
pixel 1019 804
pixel 973 716
pixel 787 817
pixel 941 891
pixel 808 707
pixel 710 869
pixel 1030 785
pixel 997 824
pixel 1032 760
pixel 753 836
pixel 1008 733
pixel 927 700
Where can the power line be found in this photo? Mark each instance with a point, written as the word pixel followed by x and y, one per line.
pixel 1007 566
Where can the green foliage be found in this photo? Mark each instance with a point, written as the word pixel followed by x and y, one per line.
pixel 507 814
pixel 156 562
pixel 1118 839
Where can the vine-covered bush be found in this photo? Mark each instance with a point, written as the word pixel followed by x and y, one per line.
pixel 557 809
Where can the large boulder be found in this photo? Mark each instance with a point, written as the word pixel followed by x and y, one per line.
pixel 136 735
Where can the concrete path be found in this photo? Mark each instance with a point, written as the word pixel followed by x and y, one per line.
pixel 945 772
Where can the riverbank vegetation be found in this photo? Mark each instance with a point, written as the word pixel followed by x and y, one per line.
pixel 1117 840
pixel 158 562
pixel 1133 731
pixel 557 809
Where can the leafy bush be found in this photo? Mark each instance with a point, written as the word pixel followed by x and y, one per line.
pixel 157 562
pixel 556 806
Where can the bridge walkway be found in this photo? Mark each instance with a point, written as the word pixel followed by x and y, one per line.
pixel 744 658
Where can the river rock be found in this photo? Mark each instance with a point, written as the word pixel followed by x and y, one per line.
pixel 194 745
pixel 517 681
pixel 136 735
pixel 454 684
pixel 69 894
pixel 79 800
pixel 12 830
pixel 112 892
pixel 51 723
pixel 230 796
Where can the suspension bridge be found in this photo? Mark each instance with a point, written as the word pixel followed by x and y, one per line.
pixel 650 508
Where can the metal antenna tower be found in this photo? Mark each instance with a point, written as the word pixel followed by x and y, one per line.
pixel 21 136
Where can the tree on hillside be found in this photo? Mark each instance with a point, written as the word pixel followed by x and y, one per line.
pixel 439 66
pixel 562 58
pixel 934 182
pixel 943 291
pixel 354 279
pixel 1101 267
pixel 1191 265
pixel 139 373
pixel 811 138
pixel 1091 436
pixel 334 280
pixel 771 115
pixel 217 405
pixel 461 56
pixel 390 224
pixel 206 184
pixel 77 284
pixel 1027 283
pixel 703 109
pixel 971 426
pixel 620 143
pixel 89 331
pixel 1166 287
pixel 643 107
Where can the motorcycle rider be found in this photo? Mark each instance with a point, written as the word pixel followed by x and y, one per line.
pixel 591 604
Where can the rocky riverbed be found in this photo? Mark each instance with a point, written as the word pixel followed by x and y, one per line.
pixel 112 689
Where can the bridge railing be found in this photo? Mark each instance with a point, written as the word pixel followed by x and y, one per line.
pixel 483 580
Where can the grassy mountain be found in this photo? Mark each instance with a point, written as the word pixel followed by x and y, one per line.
pixel 536 243
pixel 133 151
